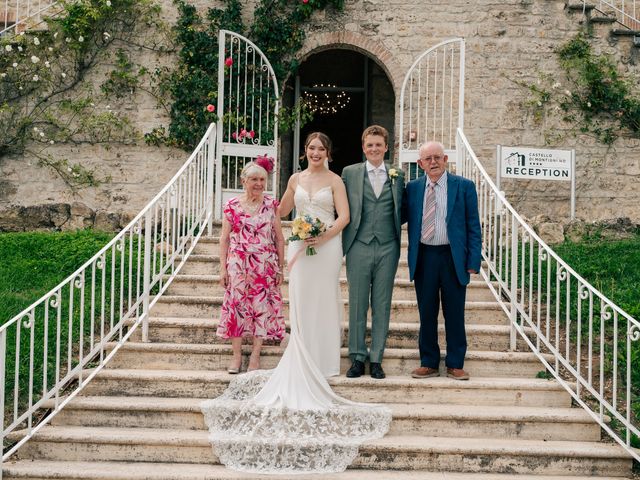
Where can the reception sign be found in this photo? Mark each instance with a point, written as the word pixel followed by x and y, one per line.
pixel 526 163
pixel 536 163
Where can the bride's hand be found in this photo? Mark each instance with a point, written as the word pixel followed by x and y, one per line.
pixel 315 241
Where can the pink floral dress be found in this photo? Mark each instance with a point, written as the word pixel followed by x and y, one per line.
pixel 252 304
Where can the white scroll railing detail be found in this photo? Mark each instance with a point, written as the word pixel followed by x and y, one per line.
pixel 432 102
pixel 594 341
pixel 53 348
pixel 19 15
pixel 626 12
pixel 248 104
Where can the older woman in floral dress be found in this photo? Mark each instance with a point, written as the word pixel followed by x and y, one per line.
pixel 251 262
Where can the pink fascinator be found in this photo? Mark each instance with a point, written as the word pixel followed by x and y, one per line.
pixel 265 162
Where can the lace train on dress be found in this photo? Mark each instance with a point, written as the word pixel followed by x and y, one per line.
pixel 288 420
pixel 257 438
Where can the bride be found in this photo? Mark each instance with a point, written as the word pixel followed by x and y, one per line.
pixel 288 420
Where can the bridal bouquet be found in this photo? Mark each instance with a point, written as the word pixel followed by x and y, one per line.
pixel 305 226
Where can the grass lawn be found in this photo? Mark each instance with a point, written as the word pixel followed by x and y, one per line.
pixel 33 263
pixel 612 266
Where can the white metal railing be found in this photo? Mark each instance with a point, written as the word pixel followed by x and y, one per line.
pixel 432 102
pixel 626 12
pixel 58 344
pixel 18 15
pixel 591 338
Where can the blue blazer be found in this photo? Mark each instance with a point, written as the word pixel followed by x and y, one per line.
pixel 463 223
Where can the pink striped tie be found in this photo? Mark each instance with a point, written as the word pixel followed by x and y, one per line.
pixel 429 215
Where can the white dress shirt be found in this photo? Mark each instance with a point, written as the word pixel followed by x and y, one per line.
pixel 376 174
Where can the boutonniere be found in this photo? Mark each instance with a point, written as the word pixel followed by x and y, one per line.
pixel 393 174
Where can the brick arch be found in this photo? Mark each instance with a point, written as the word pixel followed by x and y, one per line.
pixel 359 43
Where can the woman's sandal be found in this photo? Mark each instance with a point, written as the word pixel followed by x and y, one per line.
pixel 252 368
pixel 233 369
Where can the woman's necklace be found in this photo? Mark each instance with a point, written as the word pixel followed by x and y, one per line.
pixel 250 207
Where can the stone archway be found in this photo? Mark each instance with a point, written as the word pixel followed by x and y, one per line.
pixel 354 41
pixel 385 75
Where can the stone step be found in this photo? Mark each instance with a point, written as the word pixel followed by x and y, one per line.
pixel 394 452
pixel 210 265
pixel 50 470
pixel 211 246
pixel 534 392
pixel 628 35
pixel 210 236
pixel 209 285
pixel 207 240
pixel 401 335
pixel 403 311
pixel 204 264
pixel 531 423
pixel 602 19
pixel 624 32
pixel 580 6
pixel 397 361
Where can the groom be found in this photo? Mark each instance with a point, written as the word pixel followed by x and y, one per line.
pixel 371 243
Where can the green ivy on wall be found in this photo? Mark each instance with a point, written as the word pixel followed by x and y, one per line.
pixel 279 31
pixel 46 97
pixel 193 84
pixel 594 98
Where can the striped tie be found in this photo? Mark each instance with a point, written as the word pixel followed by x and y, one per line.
pixel 429 215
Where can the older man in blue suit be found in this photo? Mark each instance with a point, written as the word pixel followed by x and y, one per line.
pixel 441 210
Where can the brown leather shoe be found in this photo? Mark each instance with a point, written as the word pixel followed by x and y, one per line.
pixel 425 372
pixel 457 373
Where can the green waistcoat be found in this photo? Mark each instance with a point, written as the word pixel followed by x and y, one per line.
pixel 377 219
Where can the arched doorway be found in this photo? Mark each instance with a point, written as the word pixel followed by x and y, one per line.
pixel 347 91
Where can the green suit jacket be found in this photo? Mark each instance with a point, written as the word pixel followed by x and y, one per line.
pixel 353 177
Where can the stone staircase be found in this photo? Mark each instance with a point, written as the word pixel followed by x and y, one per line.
pixel 606 24
pixel 140 417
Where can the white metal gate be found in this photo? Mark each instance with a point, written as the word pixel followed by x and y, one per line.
pixel 248 105
pixel 432 102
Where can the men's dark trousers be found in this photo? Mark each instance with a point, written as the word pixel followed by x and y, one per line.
pixel 435 280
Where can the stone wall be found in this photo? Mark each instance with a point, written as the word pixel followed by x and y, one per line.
pixel 33 197
pixel 506 40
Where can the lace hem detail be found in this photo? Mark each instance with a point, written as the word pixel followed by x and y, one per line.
pixel 257 438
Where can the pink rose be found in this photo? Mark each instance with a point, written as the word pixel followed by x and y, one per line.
pixel 305 1
pixel 228 61
pixel 251 134
pixel 234 135
pixel 211 108
pixel 243 133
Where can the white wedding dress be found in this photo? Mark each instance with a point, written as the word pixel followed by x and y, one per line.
pixel 288 420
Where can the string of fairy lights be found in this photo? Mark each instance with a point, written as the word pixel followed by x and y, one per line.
pixel 328 102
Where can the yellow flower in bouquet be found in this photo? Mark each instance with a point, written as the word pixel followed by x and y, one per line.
pixel 306 226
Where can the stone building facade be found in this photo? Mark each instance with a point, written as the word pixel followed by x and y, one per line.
pixel 507 41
